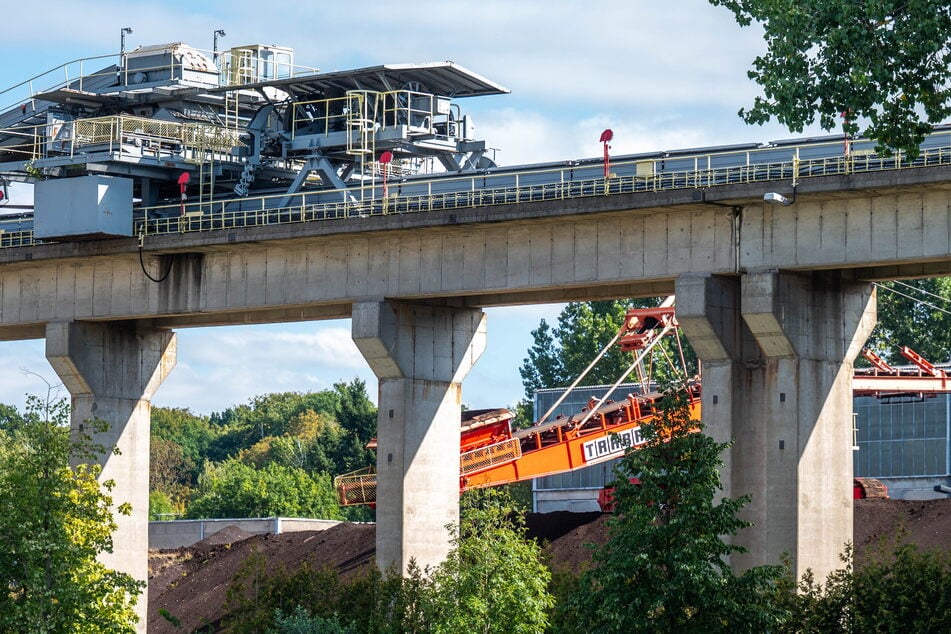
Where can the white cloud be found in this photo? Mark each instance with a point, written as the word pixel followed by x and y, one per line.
pixel 225 366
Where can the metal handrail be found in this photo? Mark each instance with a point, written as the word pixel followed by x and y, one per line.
pixel 299 210
pixel 476 191
pixel 65 66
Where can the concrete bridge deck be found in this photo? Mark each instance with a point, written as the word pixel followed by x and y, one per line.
pixel 877 225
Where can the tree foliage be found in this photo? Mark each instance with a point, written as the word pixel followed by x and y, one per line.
pixel 235 489
pixel 882 67
pixel 11 420
pixel 664 566
pixel 559 355
pixel 299 622
pixel 321 434
pixel 493 579
pixel 54 521
pixel 901 589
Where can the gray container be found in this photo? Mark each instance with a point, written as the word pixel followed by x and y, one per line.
pixel 83 207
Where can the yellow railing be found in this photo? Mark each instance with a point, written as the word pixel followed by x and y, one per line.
pixel 487 189
pixel 323 115
pixel 478 190
pixel 122 128
pixel 385 109
pixel 157 137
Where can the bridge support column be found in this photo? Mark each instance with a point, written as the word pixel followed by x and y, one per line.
pixel 777 352
pixel 111 372
pixel 420 354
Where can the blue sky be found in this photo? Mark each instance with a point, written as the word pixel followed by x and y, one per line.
pixel 662 75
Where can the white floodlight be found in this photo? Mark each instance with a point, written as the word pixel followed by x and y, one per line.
pixel 775 198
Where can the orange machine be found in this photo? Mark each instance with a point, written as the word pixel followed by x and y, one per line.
pixel 493 454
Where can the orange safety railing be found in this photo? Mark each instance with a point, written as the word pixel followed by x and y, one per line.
pixel 358 487
pixel 486 457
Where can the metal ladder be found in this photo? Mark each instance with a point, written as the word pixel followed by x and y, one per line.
pixel 360 138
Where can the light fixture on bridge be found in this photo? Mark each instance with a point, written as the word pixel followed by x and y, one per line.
pixel 218 33
pixel 778 199
pixel 126 30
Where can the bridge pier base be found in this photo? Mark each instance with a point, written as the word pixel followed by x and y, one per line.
pixel 777 352
pixel 420 354
pixel 111 372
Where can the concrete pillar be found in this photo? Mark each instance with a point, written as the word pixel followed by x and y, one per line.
pixel 111 372
pixel 420 354
pixel 777 352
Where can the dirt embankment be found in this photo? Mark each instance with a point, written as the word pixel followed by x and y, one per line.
pixel 191 583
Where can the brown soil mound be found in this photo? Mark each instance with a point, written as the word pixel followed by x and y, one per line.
pixel 227 535
pixel 191 583
pixel 193 587
pixel 572 551
pixel 878 522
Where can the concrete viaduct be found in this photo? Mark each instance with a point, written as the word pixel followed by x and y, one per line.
pixel 776 300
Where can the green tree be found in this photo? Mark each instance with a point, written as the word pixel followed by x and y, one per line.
pixel 663 568
pixel 910 591
pixel 354 409
pixel 54 521
pixel 10 419
pixel 170 471
pixel 913 314
pixel 161 507
pixel 195 435
pixel 235 489
pixel 559 355
pixel 900 589
pixel 299 622
pixel 493 579
pixel 883 67
pixel 277 415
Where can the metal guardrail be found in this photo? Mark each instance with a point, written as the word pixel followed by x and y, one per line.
pixel 471 193
pixel 74 73
pixel 485 457
pixel 110 133
pixel 475 190
pixel 119 128
pixel 358 487
pixel 53 75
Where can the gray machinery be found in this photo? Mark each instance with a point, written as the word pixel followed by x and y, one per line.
pixel 245 123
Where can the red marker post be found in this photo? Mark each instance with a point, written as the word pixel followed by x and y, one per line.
pixel 385 159
pixel 606 137
pixel 846 141
pixel 183 180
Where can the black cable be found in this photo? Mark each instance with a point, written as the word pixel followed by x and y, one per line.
pixel 142 264
pixel 922 291
pixel 914 299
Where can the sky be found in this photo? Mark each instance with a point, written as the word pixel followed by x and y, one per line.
pixel 661 75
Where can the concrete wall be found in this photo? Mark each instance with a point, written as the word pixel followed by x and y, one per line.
pixel 179 533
